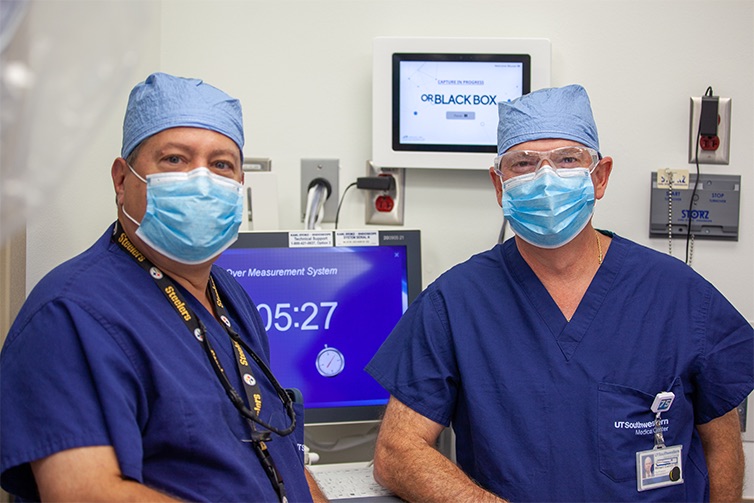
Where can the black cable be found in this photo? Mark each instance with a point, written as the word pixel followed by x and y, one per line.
pixel 708 92
pixel 382 183
pixel 340 203
pixel 501 236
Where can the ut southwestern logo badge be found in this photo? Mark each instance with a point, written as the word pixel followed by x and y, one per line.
pixel 664 404
pixel 249 379
pixel 155 273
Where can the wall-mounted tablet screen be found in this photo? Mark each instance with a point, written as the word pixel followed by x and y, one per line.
pixel 448 102
pixel 434 100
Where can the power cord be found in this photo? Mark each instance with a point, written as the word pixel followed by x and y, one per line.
pixel 501 235
pixel 382 182
pixel 689 235
pixel 337 213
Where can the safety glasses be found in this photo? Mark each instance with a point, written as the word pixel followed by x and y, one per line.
pixel 522 162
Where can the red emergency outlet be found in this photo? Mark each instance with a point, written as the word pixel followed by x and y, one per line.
pixel 384 204
pixel 709 142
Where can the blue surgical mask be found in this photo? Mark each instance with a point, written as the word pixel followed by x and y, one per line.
pixel 192 216
pixel 549 207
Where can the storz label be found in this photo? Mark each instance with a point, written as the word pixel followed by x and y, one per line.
pixel 702 215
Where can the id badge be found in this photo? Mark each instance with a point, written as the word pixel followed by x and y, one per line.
pixel 659 467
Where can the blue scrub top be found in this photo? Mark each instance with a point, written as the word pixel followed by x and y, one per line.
pixel 550 410
pixel 97 356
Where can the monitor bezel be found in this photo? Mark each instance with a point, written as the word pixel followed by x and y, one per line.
pixel 408 238
pixel 383 154
pixel 524 59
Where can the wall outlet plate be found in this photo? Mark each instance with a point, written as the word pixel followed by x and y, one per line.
pixel 721 155
pixel 328 169
pixel 397 195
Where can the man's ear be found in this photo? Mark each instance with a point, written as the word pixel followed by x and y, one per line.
pixel 498 183
pixel 118 172
pixel 600 176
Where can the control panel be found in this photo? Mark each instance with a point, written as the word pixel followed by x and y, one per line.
pixel 713 215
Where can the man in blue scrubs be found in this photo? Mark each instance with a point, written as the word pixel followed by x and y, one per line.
pixel 116 375
pixel 564 356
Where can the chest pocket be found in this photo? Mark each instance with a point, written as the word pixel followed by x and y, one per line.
pixel 626 426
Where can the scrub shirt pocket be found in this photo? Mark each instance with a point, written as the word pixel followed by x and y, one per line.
pixel 626 426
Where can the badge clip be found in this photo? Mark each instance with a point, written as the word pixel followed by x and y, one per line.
pixel 662 403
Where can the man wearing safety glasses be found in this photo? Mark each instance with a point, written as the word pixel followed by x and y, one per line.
pixel 565 356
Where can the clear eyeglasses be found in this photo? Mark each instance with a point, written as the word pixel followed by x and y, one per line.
pixel 522 162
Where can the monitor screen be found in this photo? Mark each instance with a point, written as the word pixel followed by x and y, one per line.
pixel 328 299
pixel 448 102
pixel 435 99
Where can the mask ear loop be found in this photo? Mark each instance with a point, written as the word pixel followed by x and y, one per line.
pixel 137 175
pixel 123 206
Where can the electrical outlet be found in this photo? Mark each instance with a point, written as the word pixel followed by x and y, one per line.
pixel 311 169
pixel 712 150
pixel 385 207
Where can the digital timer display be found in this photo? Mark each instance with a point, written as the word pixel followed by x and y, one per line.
pixel 284 321
pixel 326 311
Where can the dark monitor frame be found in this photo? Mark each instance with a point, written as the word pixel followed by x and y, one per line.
pixel 409 238
pixel 397 58
pixel 384 47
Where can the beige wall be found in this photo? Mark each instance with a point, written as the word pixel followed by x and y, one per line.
pixel 302 69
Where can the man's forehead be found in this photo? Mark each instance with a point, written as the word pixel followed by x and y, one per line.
pixel 192 139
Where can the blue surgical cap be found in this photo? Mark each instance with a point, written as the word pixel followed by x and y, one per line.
pixel 562 113
pixel 163 101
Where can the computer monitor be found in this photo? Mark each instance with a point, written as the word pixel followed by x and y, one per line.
pixel 435 100
pixel 328 300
